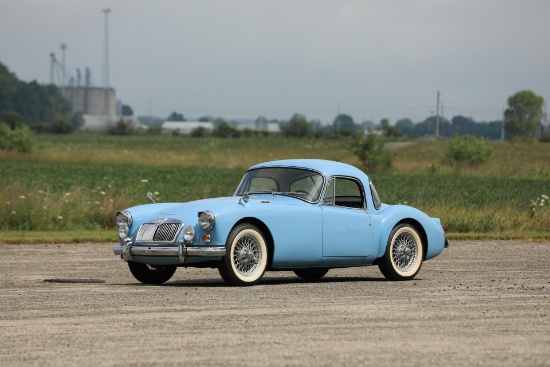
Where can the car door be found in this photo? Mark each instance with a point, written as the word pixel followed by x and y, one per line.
pixel 347 226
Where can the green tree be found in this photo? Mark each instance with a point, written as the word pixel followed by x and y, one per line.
pixel 390 131
pixel 523 115
pixel 13 119
pixel 35 103
pixel 405 126
pixel 174 116
pixel 224 130
pixel 371 152
pixel 467 151
pixel 344 124
pixel 297 127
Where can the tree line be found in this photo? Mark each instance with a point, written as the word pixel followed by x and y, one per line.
pixel 41 107
pixel 44 109
pixel 524 118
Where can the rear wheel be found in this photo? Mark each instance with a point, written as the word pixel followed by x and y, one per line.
pixel 246 258
pixel 404 252
pixel 312 273
pixel 151 274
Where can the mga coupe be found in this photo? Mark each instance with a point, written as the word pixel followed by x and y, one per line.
pixel 300 215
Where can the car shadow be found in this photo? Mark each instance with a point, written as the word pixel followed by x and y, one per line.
pixel 213 283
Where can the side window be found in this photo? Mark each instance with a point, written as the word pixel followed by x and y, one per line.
pixel 345 192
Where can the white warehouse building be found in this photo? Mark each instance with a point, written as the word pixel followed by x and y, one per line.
pixel 185 127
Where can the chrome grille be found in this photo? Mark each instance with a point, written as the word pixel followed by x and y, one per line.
pixel 161 231
pixel 166 232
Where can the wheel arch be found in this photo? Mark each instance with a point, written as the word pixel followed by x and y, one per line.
pixel 421 232
pixel 265 231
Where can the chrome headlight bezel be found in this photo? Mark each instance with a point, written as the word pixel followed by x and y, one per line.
pixel 207 220
pixel 124 222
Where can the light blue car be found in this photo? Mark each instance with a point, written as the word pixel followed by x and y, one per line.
pixel 301 215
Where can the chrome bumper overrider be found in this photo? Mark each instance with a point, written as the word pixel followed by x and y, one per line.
pixel 127 250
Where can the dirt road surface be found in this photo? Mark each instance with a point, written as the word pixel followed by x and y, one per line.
pixel 479 303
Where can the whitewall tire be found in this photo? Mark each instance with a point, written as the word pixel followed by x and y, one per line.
pixel 246 258
pixel 404 254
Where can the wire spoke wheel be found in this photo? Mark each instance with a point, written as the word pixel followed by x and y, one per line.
pixel 404 253
pixel 247 255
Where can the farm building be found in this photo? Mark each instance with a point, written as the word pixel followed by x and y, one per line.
pixel 185 127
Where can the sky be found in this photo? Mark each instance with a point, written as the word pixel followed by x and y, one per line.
pixel 370 59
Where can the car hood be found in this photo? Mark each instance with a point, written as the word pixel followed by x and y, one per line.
pixel 219 206
pixel 200 205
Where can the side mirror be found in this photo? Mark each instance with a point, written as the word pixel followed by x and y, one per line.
pixel 150 197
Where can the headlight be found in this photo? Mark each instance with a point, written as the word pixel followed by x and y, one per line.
pixel 188 234
pixel 207 220
pixel 123 230
pixel 123 217
pixel 124 221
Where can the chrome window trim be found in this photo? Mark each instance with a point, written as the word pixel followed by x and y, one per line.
pixel 322 190
pixel 361 188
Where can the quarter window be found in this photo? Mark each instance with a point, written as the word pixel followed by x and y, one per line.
pixel 375 197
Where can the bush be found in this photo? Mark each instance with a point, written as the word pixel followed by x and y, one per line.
pixel 224 130
pixel 467 151
pixel 61 126
pixel 122 127
pixel 372 153
pixel 20 139
pixel 199 132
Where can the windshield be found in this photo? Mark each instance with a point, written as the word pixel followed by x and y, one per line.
pixel 301 183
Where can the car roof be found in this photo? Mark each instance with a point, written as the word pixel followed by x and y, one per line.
pixel 328 168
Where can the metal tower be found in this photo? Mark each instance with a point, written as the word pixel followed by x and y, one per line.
pixel 106 63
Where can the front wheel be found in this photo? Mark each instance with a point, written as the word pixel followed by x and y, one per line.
pixel 151 274
pixel 404 252
pixel 246 258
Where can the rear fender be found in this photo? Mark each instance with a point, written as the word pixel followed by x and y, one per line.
pixel 429 229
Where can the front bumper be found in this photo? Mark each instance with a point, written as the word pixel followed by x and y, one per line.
pixel 127 250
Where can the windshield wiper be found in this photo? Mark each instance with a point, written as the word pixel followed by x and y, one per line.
pixel 282 193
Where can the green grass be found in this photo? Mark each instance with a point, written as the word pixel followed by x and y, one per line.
pixel 72 185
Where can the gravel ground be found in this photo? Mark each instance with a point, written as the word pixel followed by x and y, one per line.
pixel 479 303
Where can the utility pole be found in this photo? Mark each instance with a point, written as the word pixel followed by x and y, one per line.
pixel 503 120
pixel 437 117
pixel 338 116
pixel 106 63
pixel 546 132
pixel 63 75
pixel 52 67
